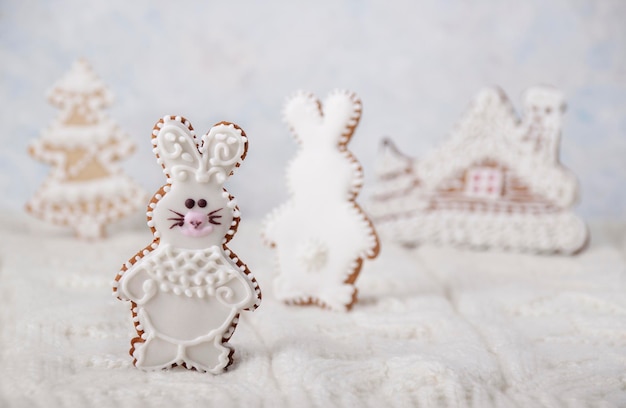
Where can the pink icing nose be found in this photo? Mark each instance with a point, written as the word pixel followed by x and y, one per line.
pixel 196 224
pixel 195 219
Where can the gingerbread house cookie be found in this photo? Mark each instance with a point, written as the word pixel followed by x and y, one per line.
pixel 86 189
pixel 321 236
pixel 497 183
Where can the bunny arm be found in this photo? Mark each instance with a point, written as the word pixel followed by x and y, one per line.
pixel 245 286
pixel 237 293
pixel 270 224
pixel 136 284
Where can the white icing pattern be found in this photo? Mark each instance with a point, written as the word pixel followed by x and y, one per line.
pixel 320 235
pixel 187 288
pixel 497 183
pixel 193 273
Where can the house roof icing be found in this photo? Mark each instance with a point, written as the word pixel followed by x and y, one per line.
pixel 490 130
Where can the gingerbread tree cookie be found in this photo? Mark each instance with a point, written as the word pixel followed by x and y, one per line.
pixel 321 236
pixel 86 189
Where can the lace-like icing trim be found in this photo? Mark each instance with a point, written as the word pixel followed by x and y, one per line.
pixel 562 232
pixel 190 272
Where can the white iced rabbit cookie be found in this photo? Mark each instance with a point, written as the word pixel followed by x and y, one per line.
pixel 321 236
pixel 187 288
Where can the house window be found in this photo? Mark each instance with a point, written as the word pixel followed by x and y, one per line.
pixel 484 182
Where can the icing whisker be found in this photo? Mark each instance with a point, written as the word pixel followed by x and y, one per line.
pixel 212 217
pixel 178 224
pixel 177 213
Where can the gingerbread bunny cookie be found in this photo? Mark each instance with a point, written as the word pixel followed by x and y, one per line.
pixel 320 235
pixel 186 288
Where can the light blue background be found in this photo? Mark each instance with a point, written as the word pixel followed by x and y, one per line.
pixel 415 64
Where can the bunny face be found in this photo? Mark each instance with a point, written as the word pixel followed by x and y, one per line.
pixel 195 212
pixel 193 216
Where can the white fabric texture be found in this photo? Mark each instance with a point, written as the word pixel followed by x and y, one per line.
pixel 433 327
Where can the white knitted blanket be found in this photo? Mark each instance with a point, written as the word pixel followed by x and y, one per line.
pixel 434 327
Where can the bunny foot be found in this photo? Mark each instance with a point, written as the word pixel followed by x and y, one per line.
pixel 156 354
pixel 211 356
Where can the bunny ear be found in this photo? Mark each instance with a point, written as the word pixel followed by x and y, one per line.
pixel 174 142
pixel 223 148
pixel 303 114
pixel 342 112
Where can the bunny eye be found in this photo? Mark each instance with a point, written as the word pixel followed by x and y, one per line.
pixel 202 203
pixel 189 203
